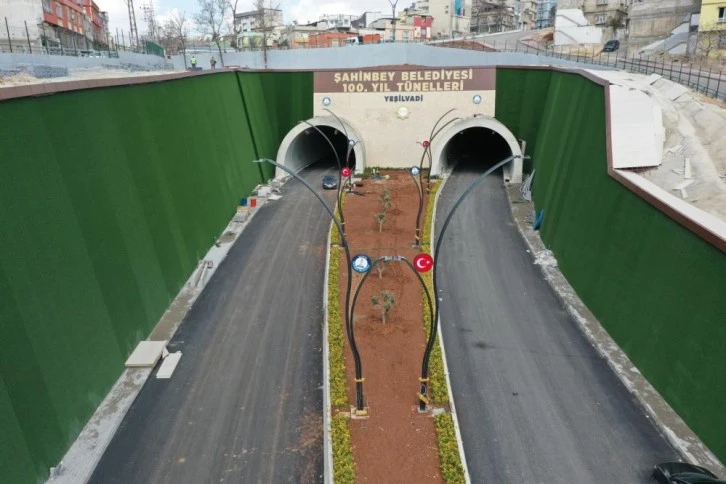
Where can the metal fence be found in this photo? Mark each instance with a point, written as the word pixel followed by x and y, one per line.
pixel 706 78
pixel 31 38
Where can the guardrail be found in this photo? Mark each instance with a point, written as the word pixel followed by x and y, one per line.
pixel 707 79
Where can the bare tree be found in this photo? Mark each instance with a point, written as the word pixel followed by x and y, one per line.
pixel 615 23
pixel 173 33
pixel 266 20
pixel 212 20
pixel 235 29
pixel 710 41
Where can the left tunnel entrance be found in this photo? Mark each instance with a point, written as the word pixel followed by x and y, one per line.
pixel 306 145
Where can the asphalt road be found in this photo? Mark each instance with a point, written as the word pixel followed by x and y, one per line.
pixel 245 403
pixel 535 402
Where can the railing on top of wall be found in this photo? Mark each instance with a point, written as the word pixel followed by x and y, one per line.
pixel 707 79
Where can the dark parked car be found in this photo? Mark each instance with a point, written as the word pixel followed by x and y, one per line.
pixel 330 183
pixel 611 46
pixel 682 473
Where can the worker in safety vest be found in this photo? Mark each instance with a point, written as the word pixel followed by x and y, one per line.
pixel 194 62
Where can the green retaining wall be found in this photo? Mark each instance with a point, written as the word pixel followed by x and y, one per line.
pixel 655 286
pixel 108 199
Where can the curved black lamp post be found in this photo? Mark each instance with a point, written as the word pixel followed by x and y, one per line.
pixel 348 326
pixel 416 171
pixel 423 396
pixel 351 145
pixel 340 172
pixel 427 146
pixel 427 151
pixel 437 247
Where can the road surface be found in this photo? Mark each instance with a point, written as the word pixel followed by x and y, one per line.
pixel 245 403
pixel 535 402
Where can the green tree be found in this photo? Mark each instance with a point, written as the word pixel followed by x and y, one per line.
pixel 385 301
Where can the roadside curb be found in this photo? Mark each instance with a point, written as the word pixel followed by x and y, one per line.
pixel 327 438
pixel 669 423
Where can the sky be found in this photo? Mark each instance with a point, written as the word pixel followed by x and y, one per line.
pixel 301 10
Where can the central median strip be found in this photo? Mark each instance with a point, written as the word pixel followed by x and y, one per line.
pixel 448 446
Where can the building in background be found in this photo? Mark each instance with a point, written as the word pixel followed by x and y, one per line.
pixel 337 22
pixel 712 29
pixel 546 13
pixel 249 21
pixel 663 25
pixel 330 39
pixel 365 20
pixel 256 27
pixel 489 16
pixel 53 26
pixel 450 17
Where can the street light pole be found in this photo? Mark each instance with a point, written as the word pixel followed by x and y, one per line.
pixel 437 248
pixel 393 17
pixel 423 396
pixel 427 150
pixel 348 323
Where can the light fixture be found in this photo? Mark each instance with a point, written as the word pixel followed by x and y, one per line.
pixel 476 99
pixel 326 101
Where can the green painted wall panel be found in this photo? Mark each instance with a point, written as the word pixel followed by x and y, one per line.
pixel 108 199
pixel 522 103
pixel 16 464
pixel 276 103
pixel 654 285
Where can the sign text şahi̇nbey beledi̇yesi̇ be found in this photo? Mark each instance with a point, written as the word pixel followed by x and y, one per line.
pixel 404 81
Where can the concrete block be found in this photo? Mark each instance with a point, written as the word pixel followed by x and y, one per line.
pixel 146 354
pixel 169 365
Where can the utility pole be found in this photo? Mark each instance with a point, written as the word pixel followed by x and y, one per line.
pixel 134 32
pixel 393 17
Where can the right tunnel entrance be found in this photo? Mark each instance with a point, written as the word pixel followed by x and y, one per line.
pixel 477 143
pixel 476 149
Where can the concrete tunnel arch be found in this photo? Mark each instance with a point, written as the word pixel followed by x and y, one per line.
pixel 440 163
pixel 302 144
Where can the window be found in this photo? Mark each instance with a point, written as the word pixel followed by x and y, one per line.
pixel 405 35
pixel 602 2
pixel 600 19
pixel 59 10
pixel 721 14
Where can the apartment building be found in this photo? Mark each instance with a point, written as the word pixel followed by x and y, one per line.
pixel 249 21
pixel 449 17
pixel 53 24
pixel 546 12
pixel 712 28
pixel 503 15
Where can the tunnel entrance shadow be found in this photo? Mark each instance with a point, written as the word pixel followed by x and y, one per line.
pixel 306 145
pixel 477 143
pixel 475 150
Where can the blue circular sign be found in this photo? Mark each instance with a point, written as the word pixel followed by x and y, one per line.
pixel 361 263
pixel 415 171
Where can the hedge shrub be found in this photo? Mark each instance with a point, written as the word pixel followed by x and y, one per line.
pixel 343 463
pixel 451 469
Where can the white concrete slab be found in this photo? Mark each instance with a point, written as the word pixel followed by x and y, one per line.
pixel 673 91
pixel 637 129
pixel 650 79
pixel 169 365
pixel 146 354
pixel 683 185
